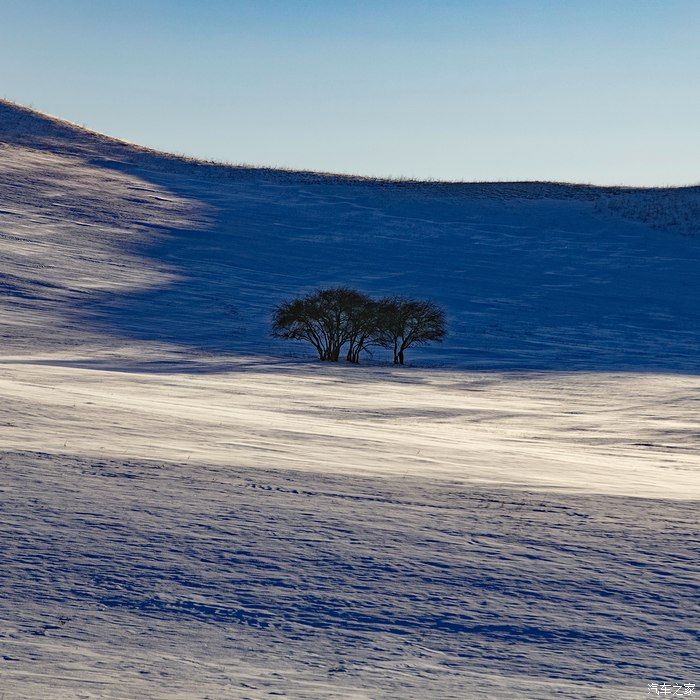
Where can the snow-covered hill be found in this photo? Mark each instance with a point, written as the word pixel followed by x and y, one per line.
pixel 99 234
pixel 191 509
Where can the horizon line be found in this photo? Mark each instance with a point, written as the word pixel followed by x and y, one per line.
pixel 388 179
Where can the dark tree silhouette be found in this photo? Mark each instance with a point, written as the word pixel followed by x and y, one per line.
pixel 326 318
pixel 331 318
pixel 365 329
pixel 405 322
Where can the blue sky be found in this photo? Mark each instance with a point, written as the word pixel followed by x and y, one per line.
pixel 590 91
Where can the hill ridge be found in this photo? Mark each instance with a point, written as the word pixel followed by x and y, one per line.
pixel 13 117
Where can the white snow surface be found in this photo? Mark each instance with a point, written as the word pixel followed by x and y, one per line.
pixel 190 509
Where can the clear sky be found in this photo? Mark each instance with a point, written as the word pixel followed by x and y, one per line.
pixel 603 91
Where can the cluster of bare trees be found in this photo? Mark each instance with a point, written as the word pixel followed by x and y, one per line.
pixel 340 317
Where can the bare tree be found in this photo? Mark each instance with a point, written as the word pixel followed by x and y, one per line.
pixel 330 318
pixel 365 328
pixel 404 322
pixel 326 318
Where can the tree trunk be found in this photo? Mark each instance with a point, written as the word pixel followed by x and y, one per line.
pixel 396 352
pixel 400 357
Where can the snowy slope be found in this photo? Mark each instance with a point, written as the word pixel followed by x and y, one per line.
pixel 191 509
pixel 533 275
